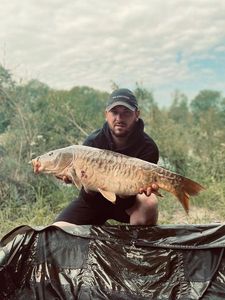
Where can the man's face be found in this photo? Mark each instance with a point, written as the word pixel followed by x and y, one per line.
pixel 121 120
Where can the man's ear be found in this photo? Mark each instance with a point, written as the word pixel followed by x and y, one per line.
pixel 137 114
pixel 105 114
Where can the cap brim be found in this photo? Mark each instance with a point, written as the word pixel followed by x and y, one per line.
pixel 117 103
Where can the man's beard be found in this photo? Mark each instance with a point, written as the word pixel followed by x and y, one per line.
pixel 120 134
pixel 123 133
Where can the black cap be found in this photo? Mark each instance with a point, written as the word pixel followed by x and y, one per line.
pixel 122 97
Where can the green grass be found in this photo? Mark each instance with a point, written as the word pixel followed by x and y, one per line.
pixel 205 208
pixel 42 212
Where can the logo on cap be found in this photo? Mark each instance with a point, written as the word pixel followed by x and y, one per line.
pixel 122 97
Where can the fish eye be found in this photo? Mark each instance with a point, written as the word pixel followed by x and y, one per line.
pixel 51 153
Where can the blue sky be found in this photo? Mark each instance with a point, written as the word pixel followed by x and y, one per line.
pixel 163 45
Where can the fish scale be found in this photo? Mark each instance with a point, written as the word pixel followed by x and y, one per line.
pixel 113 173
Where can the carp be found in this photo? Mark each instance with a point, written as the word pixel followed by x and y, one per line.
pixel 112 173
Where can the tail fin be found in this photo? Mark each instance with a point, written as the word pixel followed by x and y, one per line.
pixel 186 189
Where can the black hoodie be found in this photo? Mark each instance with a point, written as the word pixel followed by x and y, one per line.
pixel 140 145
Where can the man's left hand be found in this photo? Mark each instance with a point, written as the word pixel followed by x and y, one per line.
pixel 150 189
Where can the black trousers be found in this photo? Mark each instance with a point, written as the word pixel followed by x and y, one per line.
pixel 83 212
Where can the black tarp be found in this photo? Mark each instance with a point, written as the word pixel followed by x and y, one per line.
pixel 114 262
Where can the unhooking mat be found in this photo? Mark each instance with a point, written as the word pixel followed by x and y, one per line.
pixel 114 262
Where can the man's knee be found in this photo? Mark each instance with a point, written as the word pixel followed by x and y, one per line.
pixel 145 212
pixel 153 213
pixel 150 203
pixel 140 219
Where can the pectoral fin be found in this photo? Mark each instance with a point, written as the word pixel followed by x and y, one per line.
pixel 74 178
pixel 108 195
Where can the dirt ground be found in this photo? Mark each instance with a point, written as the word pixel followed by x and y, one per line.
pixel 196 216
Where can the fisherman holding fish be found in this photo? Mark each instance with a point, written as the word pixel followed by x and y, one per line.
pixel 123 132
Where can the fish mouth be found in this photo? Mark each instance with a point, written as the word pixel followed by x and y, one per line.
pixel 36 165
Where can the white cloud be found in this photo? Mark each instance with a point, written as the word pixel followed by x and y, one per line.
pixel 67 43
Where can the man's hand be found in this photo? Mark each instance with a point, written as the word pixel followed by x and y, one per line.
pixel 65 179
pixel 150 189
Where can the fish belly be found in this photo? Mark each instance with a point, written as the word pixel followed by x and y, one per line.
pixel 115 173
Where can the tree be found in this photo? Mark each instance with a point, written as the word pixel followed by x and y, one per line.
pixel 145 98
pixel 179 110
pixel 6 104
pixel 6 80
pixel 206 100
pixel 208 114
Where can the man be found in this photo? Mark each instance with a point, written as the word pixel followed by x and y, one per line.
pixel 122 132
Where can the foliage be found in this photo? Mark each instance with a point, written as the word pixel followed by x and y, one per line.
pixel 35 118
